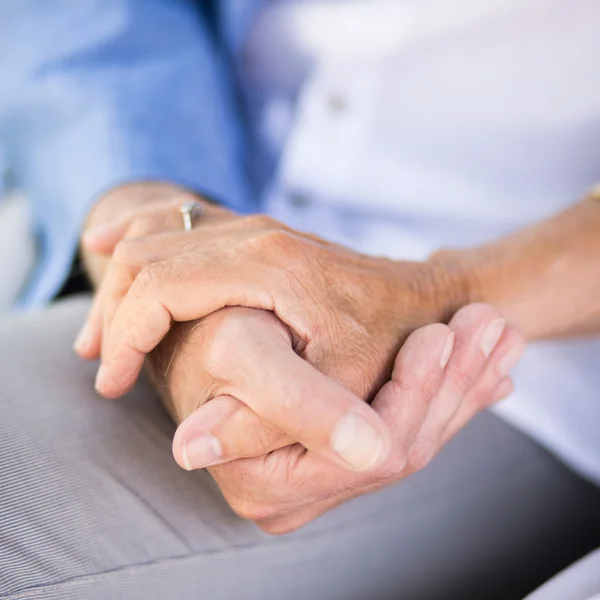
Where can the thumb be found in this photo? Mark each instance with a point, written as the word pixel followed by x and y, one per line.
pixel 260 368
pixel 294 397
pixel 222 430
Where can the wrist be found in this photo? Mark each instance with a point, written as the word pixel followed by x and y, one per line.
pixel 453 282
pixel 511 276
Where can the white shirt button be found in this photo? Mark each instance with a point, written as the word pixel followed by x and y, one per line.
pixel 298 199
pixel 337 103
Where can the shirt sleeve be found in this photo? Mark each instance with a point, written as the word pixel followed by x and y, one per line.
pixel 102 92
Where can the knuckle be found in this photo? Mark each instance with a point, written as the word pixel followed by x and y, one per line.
pixel 272 528
pixel 242 508
pixel 277 526
pixel 232 326
pixel 273 239
pixel 393 468
pixel 144 329
pixel 267 241
pixel 478 402
pixel 259 221
pixel 230 334
pixel 285 243
pixel 124 251
pixel 237 485
pixel 430 385
pixel 149 279
pixel 465 377
pixel 186 246
pixel 481 396
pixel 252 510
pixel 256 438
pixel 142 225
pixel 478 312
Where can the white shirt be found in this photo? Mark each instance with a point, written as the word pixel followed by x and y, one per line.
pixel 398 127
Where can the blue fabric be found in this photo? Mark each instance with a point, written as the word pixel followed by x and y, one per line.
pixel 94 93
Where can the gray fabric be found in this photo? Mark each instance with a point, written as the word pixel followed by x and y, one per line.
pixel 92 506
pixel 581 581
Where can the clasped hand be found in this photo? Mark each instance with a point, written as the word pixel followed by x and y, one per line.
pixel 279 338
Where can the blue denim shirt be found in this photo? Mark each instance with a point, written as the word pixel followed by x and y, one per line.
pixel 94 93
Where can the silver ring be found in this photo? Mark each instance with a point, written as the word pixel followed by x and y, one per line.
pixel 190 210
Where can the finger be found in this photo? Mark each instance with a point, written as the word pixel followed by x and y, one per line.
pixel 291 520
pixel 245 485
pixel 149 247
pixel 509 351
pixel 471 409
pixel 117 279
pixel 104 240
pixel 231 270
pixel 131 254
pixel 418 374
pixel 478 329
pixel 224 430
pixel 493 385
pixel 154 300
pixel 226 265
pixel 403 403
pixel 89 339
pixel 505 388
pixel 287 480
pixel 309 481
pixel 294 397
pixel 157 216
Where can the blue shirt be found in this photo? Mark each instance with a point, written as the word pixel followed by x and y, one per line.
pixel 96 93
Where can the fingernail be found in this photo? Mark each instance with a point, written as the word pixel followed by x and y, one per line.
pixel 507 362
pixel 96 232
pixel 201 451
pixel 83 339
pixel 357 442
pixel 101 377
pixel 504 389
pixel 491 336
pixel 447 351
pixel 95 235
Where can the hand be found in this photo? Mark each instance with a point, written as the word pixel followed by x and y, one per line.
pixel 348 312
pixel 132 210
pixel 230 417
pixel 245 356
pixel 424 405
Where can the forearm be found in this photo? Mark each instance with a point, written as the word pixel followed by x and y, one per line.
pixel 545 278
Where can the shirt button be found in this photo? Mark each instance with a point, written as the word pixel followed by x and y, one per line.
pixel 298 199
pixel 337 103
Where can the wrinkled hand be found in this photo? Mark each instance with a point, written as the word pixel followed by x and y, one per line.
pixel 241 362
pixel 348 312
pixel 422 406
pixel 437 387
